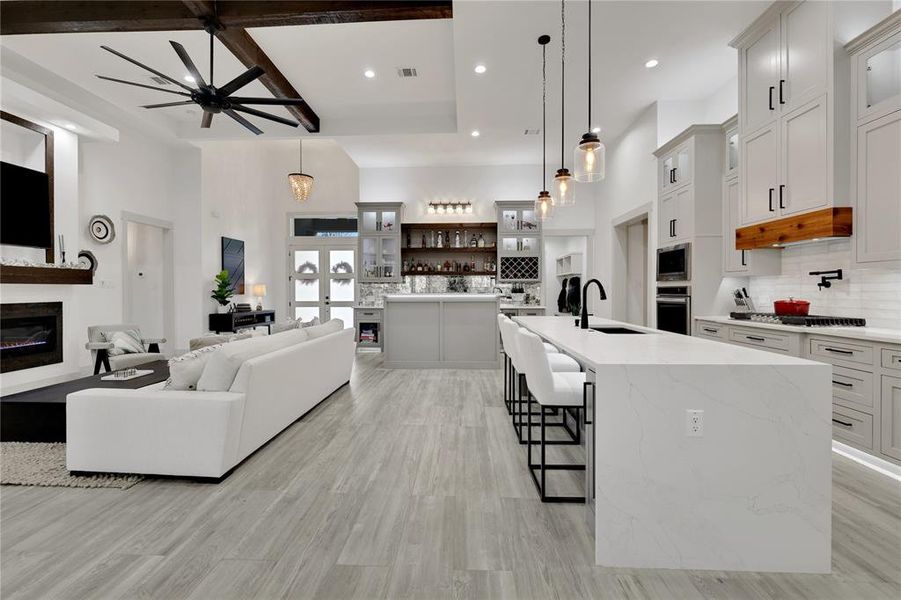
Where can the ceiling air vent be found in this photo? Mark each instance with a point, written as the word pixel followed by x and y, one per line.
pixel 531 131
pixel 406 72
pixel 160 80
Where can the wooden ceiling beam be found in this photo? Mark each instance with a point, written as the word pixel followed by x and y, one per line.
pixel 79 16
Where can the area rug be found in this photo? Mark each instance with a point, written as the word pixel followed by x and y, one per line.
pixel 44 464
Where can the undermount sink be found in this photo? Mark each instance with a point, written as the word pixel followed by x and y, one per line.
pixel 615 330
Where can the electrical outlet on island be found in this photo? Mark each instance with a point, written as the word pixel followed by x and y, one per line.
pixel 694 423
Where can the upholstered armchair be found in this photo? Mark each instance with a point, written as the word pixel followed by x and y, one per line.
pixel 100 348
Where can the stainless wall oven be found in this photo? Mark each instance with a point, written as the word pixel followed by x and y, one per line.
pixel 674 309
pixel 674 263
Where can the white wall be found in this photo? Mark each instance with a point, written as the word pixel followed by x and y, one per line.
pixel 481 185
pixel 246 196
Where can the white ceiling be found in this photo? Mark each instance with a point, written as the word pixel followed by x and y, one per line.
pixel 389 121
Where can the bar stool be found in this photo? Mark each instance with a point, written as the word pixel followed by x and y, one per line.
pixel 560 363
pixel 550 390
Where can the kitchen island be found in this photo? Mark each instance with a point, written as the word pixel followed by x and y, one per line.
pixel 746 489
pixel 429 331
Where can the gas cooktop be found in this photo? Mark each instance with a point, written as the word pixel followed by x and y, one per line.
pixel 805 321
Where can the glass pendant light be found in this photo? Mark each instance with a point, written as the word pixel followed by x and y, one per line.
pixel 564 190
pixel 589 157
pixel 544 205
pixel 301 183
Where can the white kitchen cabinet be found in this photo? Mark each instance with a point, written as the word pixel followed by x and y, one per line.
pixel 891 416
pixel 519 242
pixel 734 261
pixel 379 231
pixel 804 159
pixel 676 167
pixel 675 221
pixel 806 54
pixel 759 72
pixel 759 175
pixel 875 58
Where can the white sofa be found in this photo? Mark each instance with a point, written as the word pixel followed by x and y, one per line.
pixel 204 433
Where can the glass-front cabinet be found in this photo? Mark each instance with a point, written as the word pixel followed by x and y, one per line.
pixel 879 73
pixel 519 242
pixel 379 234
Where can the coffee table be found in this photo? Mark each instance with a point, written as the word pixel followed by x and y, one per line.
pixel 39 415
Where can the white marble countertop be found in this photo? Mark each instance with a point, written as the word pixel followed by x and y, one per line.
pixel 867 334
pixel 516 306
pixel 440 297
pixel 654 348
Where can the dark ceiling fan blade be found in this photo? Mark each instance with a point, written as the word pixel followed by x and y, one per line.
pixel 167 104
pixel 243 121
pixel 189 64
pixel 207 119
pixel 277 101
pixel 145 67
pixel 263 115
pixel 149 87
pixel 241 80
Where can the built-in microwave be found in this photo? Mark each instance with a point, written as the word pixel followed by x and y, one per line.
pixel 674 263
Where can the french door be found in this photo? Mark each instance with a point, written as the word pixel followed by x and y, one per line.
pixel 321 279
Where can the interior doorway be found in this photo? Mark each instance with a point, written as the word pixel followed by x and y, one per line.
pixel 321 279
pixel 631 248
pixel 148 289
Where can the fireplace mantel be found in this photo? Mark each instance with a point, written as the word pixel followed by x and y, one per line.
pixel 45 275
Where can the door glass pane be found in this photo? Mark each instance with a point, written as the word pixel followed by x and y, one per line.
pixel 529 244
pixel 369 260
pixel 529 220
pixel 510 220
pixel 341 290
pixel 667 170
pixel 370 220
pixel 345 313
pixel 306 313
pixel 306 261
pixel 306 290
pixel 389 221
pixel 389 257
pixel 884 75
pixel 341 261
pixel 510 244
pixel 683 167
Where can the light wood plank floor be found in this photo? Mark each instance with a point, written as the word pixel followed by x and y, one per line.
pixel 405 484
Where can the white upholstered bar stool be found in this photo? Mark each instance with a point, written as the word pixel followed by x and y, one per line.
pixel 559 363
pixel 551 390
pixel 506 327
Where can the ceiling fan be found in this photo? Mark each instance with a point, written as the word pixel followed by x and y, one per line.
pixel 211 99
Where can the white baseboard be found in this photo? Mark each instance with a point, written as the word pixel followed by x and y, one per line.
pixel 883 467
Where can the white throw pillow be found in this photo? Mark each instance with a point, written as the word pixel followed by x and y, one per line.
pixel 185 370
pixel 331 326
pixel 215 339
pixel 219 372
pixel 310 323
pixel 124 342
pixel 286 325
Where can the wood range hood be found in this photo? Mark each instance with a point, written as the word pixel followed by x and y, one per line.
pixel 815 225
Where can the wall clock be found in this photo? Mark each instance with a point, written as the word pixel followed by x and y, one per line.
pixel 102 229
pixel 87 258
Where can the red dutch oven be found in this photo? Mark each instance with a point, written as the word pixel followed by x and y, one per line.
pixel 791 307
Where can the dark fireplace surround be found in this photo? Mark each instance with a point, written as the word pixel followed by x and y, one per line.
pixel 31 335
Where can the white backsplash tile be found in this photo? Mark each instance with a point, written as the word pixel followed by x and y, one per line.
pixel 874 294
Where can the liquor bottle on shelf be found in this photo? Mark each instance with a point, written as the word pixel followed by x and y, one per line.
pixel 473 242
pixel 481 241
pixel 457 239
pixel 409 240
pixel 440 240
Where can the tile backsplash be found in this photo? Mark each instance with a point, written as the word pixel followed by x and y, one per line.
pixel 371 293
pixel 874 294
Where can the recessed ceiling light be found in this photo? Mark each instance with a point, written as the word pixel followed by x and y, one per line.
pixel 651 63
pixel 69 126
pixel 475 133
pixel 480 69
pixel 368 73
pixel 190 79
pixel 595 130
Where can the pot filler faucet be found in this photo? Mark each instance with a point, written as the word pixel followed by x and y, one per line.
pixel 583 320
pixel 826 277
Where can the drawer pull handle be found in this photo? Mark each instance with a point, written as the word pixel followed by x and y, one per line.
pixel 755 338
pixel 839 350
pixel 708 330
pixel 842 383
pixel 843 423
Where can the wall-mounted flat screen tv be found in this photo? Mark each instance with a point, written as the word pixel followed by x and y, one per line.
pixel 24 207
pixel 233 262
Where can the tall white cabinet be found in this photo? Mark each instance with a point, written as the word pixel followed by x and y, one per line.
pixel 793 104
pixel 875 58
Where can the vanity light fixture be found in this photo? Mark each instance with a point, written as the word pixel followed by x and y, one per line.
pixel 564 190
pixel 544 204
pixel 589 157
pixel 449 208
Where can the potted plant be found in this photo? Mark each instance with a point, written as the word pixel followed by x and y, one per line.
pixel 224 290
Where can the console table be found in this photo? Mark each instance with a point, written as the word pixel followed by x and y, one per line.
pixel 235 321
